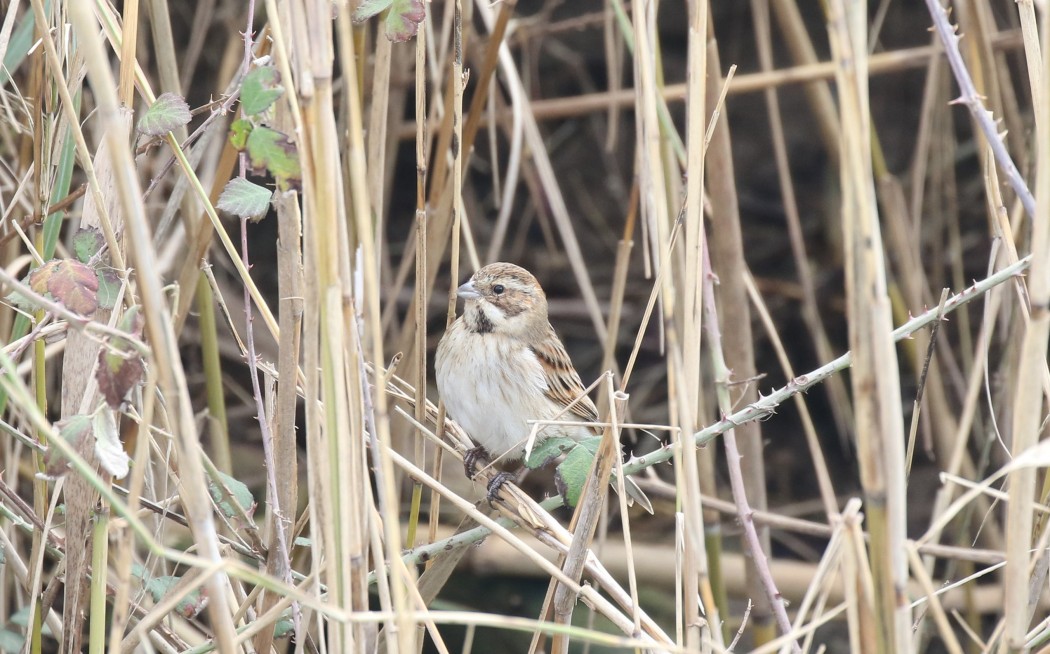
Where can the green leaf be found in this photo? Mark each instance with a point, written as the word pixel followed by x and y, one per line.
pixel 87 242
pixel 188 607
pixel 20 618
pixel 132 321
pixel 109 283
pixel 571 474
pixel 591 444
pixel 260 90
pixel 245 199
pixel 18 46
pixel 63 178
pixel 270 150
pixel 403 19
pixel 302 541
pixel 168 112
pixel 240 129
pixel 237 490
pixel 283 626
pixel 370 8
pixel 21 300
pixel 140 571
pixel 11 641
pixel 549 449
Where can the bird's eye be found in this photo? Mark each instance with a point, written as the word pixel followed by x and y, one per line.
pixel 498 289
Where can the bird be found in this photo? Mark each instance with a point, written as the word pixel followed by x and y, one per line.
pixel 501 364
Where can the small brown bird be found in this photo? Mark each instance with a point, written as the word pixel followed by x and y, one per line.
pixel 501 364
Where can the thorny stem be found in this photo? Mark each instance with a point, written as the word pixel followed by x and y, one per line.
pixel 264 425
pixel 765 406
pixel 968 96
pixel 733 457
pixel 279 519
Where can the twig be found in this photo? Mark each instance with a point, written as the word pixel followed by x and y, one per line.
pixel 969 97
pixel 752 539
pixel 264 425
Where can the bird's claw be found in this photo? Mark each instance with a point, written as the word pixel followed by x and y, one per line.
pixel 470 460
pixel 496 484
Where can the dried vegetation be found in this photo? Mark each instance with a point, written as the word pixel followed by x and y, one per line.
pixel 230 236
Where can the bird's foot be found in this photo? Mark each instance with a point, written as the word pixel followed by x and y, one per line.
pixel 496 484
pixel 470 460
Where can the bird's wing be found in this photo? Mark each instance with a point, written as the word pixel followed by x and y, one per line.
pixel 563 382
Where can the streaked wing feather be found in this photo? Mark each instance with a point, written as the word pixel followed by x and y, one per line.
pixel 563 382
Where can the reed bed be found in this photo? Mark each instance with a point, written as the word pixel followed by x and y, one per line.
pixel 802 251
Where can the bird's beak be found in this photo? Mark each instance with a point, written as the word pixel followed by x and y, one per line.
pixel 468 292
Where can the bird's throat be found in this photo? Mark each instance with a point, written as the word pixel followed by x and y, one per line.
pixel 478 322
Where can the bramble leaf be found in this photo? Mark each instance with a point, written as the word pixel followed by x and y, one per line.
pixel 108 448
pixel 21 300
pixel 402 18
pixel 87 242
pixel 237 490
pixel 245 199
pixel 86 433
pixel 283 626
pixel 120 367
pixel 118 373
pixel 239 131
pixel 189 606
pixel 571 474
pixel 370 8
pixel 260 90
pixel 547 450
pixel 269 149
pixel 70 282
pixel 75 430
pixel 168 112
pixel 109 283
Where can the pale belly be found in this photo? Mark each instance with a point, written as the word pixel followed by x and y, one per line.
pixel 492 391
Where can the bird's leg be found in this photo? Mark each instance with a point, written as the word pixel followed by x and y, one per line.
pixel 497 483
pixel 470 460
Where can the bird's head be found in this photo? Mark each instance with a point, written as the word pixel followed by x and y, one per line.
pixel 506 299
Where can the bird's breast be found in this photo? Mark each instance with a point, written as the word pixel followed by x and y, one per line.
pixel 492 386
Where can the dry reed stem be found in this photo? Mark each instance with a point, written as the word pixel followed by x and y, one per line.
pixel 158 325
pixel 1028 401
pixel 875 375
pixel 349 524
pixel 752 537
pixel 585 518
pixel 699 615
pixel 881 63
